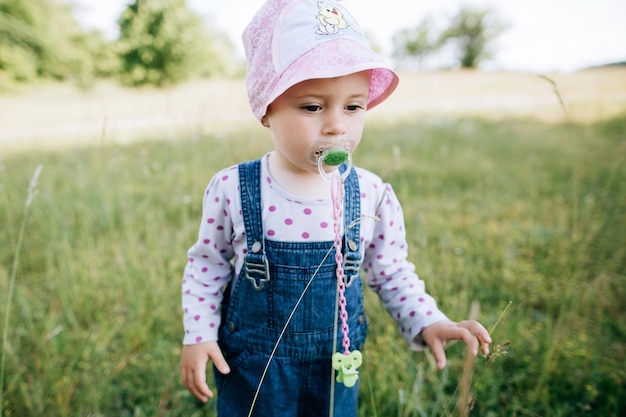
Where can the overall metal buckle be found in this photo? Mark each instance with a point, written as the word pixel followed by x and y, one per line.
pixel 257 271
pixel 351 269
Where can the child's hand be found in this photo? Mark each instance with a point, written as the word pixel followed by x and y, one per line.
pixel 193 363
pixel 470 331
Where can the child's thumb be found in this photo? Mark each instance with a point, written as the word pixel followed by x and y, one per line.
pixel 220 363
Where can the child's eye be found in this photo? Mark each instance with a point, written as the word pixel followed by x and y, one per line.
pixel 312 108
pixel 353 107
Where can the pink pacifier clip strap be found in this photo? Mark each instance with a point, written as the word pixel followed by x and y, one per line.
pixel 337 194
pixel 347 363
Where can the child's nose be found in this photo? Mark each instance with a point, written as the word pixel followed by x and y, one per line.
pixel 334 123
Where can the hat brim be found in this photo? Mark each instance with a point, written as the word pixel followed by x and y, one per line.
pixel 337 58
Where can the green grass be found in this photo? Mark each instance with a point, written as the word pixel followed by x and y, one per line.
pixel 497 212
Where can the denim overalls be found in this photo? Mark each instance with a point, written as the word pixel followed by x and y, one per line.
pixel 298 379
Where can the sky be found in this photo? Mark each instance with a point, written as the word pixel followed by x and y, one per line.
pixel 543 36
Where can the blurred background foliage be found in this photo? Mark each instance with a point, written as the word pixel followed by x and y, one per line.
pixel 163 43
pixel 160 43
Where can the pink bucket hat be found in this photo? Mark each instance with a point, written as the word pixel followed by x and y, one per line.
pixel 290 41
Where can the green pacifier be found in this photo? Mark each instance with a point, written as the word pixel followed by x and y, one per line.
pixel 335 157
pixel 330 154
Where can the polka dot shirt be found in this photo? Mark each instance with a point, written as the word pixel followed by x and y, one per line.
pixel 217 256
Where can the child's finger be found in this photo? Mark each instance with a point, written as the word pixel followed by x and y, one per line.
pixel 194 385
pixel 478 333
pixel 436 347
pixel 199 388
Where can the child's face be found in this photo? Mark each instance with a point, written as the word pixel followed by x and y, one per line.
pixel 313 110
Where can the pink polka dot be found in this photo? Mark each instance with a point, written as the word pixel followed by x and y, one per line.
pixel 363 195
pixel 228 201
pixel 212 325
pixel 402 299
pixel 270 232
pixel 381 236
pixel 220 227
pixel 272 208
pixel 201 299
pixel 199 339
pixel 288 222
pixel 421 299
pixel 412 313
pixel 225 177
pixel 305 235
pixel 323 225
pixel 217 199
pixel 307 211
pixel 213 307
pixel 196 317
pixel 269 180
pixel 205 269
pixel 210 221
pixel 206 241
pixel 429 313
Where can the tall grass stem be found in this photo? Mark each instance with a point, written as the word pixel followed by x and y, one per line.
pixel 32 193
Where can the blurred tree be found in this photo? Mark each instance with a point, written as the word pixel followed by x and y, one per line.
pixel 472 31
pixel 470 34
pixel 163 42
pixel 40 38
pixel 415 44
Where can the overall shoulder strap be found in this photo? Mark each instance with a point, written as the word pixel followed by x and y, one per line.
pixel 255 266
pixel 352 227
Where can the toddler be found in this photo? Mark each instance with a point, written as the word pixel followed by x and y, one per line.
pixel 261 291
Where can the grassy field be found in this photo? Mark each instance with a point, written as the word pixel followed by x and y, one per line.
pixel 514 216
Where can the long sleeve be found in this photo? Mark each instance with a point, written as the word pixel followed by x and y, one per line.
pixel 208 267
pixel 393 277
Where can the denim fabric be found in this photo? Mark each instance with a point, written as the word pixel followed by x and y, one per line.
pixel 298 379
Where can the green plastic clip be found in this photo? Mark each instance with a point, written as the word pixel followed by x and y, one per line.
pixel 347 367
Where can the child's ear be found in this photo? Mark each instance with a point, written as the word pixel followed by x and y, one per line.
pixel 265 122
